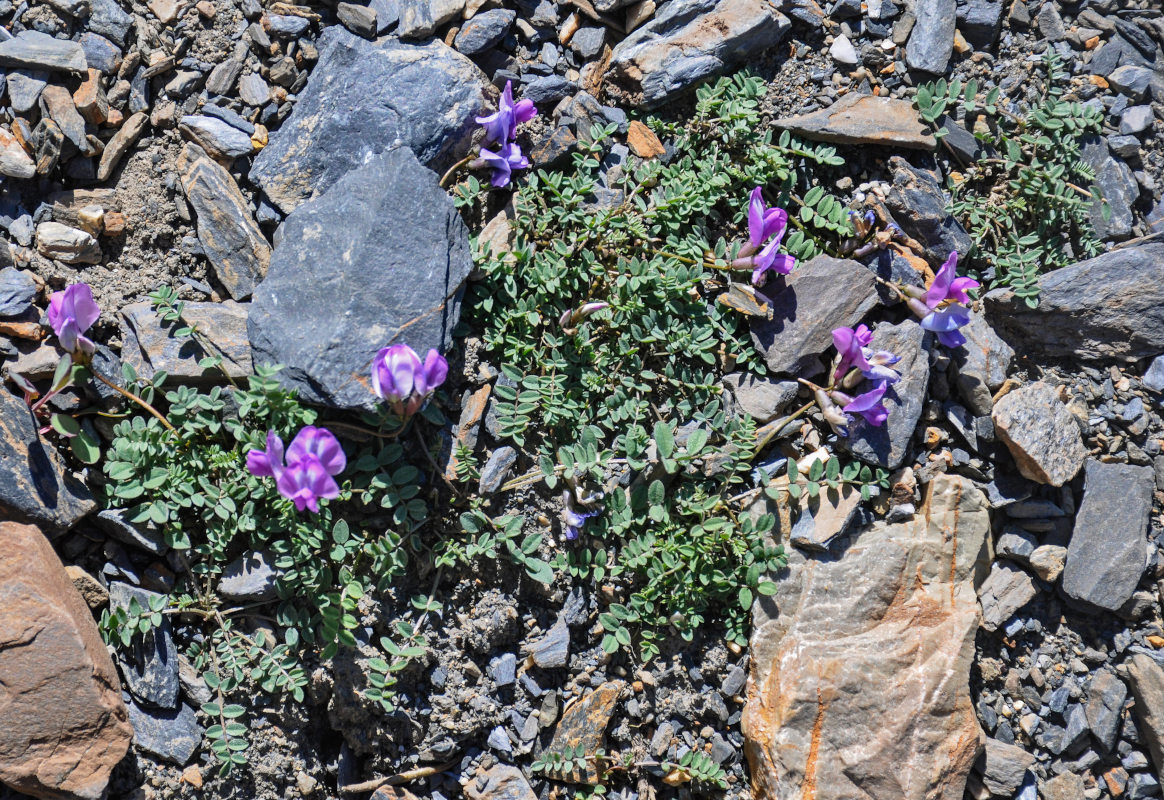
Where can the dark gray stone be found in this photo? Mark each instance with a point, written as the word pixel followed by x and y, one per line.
pixel 1050 23
pixel 1119 187
pixel 497 469
pixel 36 50
pixel 1108 307
pixel 1108 549
pixel 171 735
pixel 216 136
pixel 100 53
pixel 803 316
pixel 484 31
pixel 1154 375
pixel 1005 591
pixel 107 18
pixel 1077 727
pixel 735 682
pixel 35 487
pixel 932 41
pixel 17 291
pixel 503 669
pixel 982 364
pixel 1124 145
pixel 1003 767
pixel 980 22
pixel 761 398
pixel 364 98
pixel 919 207
pixel 360 20
pixel 387 13
pixel 886 445
pixel 587 41
pixel 1131 80
pixel 250 578
pixel 1133 121
pixel 689 40
pixel 287 26
pixel 552 651
pixel 144 536
pixel 150 666
pixel 24 88
pixel 399 255
pixel 1016 544
pixel 549 89
pixel 1105 705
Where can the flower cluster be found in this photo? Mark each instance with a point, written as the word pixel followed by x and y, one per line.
pixel 766 227
pixel 942 309
pixel 71 313
pixel 312 462
pixel 500 128
pixel 400 378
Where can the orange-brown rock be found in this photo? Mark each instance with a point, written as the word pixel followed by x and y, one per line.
pixel 864 119
pixel 90 99
pixel 861 661
pixel 583 723
pixel 65 726
pixel 642 141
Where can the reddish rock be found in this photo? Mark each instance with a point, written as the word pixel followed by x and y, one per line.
pixel 65 726
pixel 583 724
pixel 864 119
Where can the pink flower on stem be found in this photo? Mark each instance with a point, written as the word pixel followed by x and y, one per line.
pixel 313 459
pixel 71 313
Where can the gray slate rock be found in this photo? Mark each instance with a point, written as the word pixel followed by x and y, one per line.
pixel 980 22
pixel 171 735
pixel 100 53
pixel 982 364
pixel 1108 307
pixel 484 31
pixel 1119 186
pixel 1050 23
pixel 1131 80
pixel 17 291
pixel 1040 433
pixel 1105 704
pixel 34 484
pixel 364 98
pixel 760 398
pixel 1005 591
pixel 689 40
pixel 250 578
pixel 497 469
pixel 1136 120
pixel 803 316
pixel 1003 767
pixel 886 445
pixel 548 89
pixel 24 88
pixel 552 651
pixel 918 205
pixel 115 522
pixel 253 90
pixel 399 254
pixel 1154 375
pixel 150 667
pixel 1147 683
pixel 36 50
pixel 932 41
pixel 107 18
pixel 1109 548
pixel 216 136
pixel 360 20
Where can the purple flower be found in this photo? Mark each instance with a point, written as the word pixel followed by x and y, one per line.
pixel 503 162
pixel 71 313
pixel 763 223
pixel 312 459
pixel 852 345
pixel 501 125
pixel 398 375
pixel 869 405
pixel 943 309
pixel 572 519
pixel 570 319
pixel 768 260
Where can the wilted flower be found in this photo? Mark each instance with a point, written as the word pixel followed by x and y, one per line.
pixel 764 225
pixel 503 162
pixel 399 377
pixel 572 519
pixel 852 345
pixel 570 319
pixel 869 405
pixel 71 313
pixel 943 309
pixel 501 125
pixel 312 459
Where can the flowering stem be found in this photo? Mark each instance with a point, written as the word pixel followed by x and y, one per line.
pixel 453 169
pixel 131 396
pixel 778 429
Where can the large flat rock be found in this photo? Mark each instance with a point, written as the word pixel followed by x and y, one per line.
pixel 366 97
pixel 690 40
pixel 65 726
pixel 379 259
pixel 863 119
pixel 861 661
pixel 1108 307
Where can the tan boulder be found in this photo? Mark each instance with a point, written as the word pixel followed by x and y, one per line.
pixel 65 725
pixel 861 661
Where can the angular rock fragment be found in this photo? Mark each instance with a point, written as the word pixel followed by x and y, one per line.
pixel 1112 216
pixel 1146 678
pixel 151 666
pixel 1108 307
pixel 124 139
pixel 70 245
pixel 982 365
pixel 35 50
pixel 1040 433
pixel 1109 546
pixel 1105 706
pixel 150 345
pixel 803 317
pixel 583 723
pixel 919 207
pixel 65 725
pixel 1004 767
pixel 687 41
pixel 501 782
pixel 1005 591
pixel 250 578
pixel 898 611
pixel 398 255
pixel 34 486
pixel 760 398
pixel 365 98
pixel 863 119
pixel 15 162
pixel 230 237
pixel 170 734
pixel 218 138
pixel 932 41
pixel 17 291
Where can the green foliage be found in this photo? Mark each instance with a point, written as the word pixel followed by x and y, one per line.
pixel 695 767
pixel 1022 202
pixel 828 473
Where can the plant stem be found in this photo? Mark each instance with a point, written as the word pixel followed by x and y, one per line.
pixel 131 396
pixel 453 169
pixel 764 440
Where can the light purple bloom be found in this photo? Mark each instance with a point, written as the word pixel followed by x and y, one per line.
pixel 312 459
pixel 943 309
pixel 503 162
pixel 852 345
pixel 398 375
pixel 570 319
pixel 948 287
pixel 768 260
pixel 574 520
pixel 764 225
pixel 501 125
pixel 305 482
pixel 763 222
pixel 321 445
pixel 71 313
pixel 945 323
pixel 267 463
pixel 869 405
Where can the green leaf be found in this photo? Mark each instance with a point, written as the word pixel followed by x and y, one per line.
pixel 664 439
pixel 65 425
pixel 85 448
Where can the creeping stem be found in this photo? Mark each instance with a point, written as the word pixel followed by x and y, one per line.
pixel 453 169
pixel 131 396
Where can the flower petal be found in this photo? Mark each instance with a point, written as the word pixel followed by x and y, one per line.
pixel 940 289
pixel 756 218
pixel 946 319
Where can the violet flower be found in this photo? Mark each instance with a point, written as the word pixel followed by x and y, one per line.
pixel 400 378
pixel 71 313
pixel 852 345
pixel 503 162
pixel 501 125
pixel 312 459
pixel 573 520
pixel 764 225
pixel 943 309
pixel 869 405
